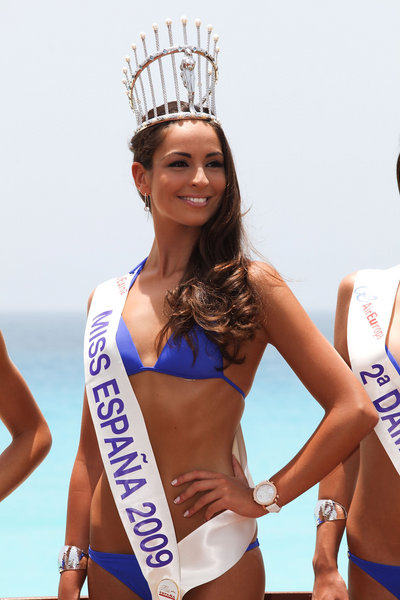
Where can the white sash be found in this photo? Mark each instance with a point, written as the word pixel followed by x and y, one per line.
pixel 170 569
pixel 370 312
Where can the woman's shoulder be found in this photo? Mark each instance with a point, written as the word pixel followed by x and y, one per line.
pixel 263 274
pixel 121 280
pixel 269 285
pixel 92 293
pixel 277 304
pixel 345 292
pixel 347 284
pixel 4 358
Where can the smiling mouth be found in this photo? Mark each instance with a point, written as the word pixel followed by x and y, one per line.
pixel 195 201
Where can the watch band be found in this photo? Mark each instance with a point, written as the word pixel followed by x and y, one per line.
pixel 273 508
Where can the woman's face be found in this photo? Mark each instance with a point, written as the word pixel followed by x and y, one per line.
pixel 187 179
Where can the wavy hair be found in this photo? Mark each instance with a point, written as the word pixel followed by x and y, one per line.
pixel 215 292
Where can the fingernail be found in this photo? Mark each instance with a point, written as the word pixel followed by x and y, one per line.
pixel 174 482
pixel 177 500
pixel 186 513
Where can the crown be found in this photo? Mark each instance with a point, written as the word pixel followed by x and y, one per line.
pixel 154 82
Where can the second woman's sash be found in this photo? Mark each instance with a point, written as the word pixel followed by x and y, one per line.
pixel 370 312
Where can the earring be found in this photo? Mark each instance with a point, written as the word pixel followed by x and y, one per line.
pixel 147 205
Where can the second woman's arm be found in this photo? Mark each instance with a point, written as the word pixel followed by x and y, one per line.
pixel 339 484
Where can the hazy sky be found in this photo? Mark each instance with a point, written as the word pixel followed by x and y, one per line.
pixel 309 96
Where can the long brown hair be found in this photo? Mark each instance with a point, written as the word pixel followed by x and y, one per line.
pixel 215 292
pixel 398 172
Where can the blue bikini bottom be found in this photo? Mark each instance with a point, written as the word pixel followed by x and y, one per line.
pixel 387 575
pixel 125 568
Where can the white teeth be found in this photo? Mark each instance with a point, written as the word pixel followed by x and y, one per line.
pixel 194 200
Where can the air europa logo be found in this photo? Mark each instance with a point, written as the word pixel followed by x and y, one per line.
pixel 362 295
pixel 372 318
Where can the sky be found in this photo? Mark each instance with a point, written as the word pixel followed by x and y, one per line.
pixel 309 96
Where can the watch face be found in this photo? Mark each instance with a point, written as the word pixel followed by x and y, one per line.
pixel 266 493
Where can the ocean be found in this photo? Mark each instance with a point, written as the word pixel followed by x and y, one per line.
pixel 279 417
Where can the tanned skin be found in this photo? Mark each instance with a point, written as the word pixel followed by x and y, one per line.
pixel 204 414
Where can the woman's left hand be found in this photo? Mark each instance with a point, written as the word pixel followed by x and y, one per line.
pixel 219 492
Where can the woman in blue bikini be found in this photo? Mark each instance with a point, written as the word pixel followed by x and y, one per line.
pixel 160 497
pixel 366 485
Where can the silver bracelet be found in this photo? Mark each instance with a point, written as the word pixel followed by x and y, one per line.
pixel 72 558
pixel 329 510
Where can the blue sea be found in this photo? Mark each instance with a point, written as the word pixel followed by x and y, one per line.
pixel 280 415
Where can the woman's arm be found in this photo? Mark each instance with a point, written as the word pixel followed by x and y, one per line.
pixel 349 415
pixel 31 439
pixel 338 485
pixel 85 475
pixel 86 472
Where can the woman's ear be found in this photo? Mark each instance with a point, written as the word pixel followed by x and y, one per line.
pixel 141 178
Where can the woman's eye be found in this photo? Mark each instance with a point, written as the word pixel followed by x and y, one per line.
pixel 178 163
pixel 216 164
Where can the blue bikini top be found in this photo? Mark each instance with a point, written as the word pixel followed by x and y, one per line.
pixel 176 357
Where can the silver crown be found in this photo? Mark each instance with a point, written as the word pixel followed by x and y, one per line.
pixel 198 76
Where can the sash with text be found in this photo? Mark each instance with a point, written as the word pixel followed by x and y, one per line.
pixel 370 312
pixel 170 569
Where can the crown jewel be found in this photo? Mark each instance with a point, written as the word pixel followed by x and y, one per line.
pixel 155 81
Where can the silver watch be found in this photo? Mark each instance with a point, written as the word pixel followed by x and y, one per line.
pixel 266 494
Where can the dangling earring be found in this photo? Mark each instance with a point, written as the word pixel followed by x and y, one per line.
pixel 147 205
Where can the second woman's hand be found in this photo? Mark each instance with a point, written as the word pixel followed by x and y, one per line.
pixel 329 585
pixel 70 584
pixel 218 492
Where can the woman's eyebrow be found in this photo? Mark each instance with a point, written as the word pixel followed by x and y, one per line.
pixel 170 154
pixel 214 154
pixel 188 155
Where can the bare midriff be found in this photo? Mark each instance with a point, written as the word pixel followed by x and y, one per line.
pixel 191 425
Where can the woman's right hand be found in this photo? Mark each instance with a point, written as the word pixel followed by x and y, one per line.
pixel 70 585
pixel 329 585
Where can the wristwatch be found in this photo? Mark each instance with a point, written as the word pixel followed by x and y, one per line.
pixel 265 493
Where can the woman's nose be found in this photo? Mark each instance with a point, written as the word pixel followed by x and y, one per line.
pixel 200 177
